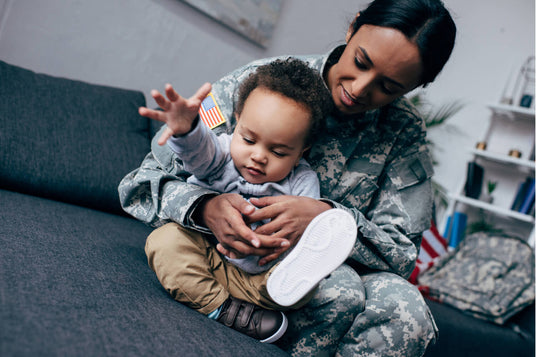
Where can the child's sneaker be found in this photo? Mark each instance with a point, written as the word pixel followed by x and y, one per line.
pixel 262 324
pixel 324 246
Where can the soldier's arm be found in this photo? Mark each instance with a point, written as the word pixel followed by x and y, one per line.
pixel 157 192
pixel 390 230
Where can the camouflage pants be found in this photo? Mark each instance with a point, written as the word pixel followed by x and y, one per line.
pixel 393 321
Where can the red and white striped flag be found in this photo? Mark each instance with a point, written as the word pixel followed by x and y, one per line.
pixel 433 246
pixel 210 113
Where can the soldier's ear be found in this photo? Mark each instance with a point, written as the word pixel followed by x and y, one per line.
pixel 350 32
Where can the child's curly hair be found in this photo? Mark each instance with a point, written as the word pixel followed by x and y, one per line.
pixel 293 79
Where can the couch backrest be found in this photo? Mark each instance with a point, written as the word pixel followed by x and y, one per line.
pixel 68 140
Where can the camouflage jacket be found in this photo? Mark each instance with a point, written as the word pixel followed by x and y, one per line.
pixel 377 167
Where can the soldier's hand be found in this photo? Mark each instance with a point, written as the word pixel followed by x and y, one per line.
pixel 224 216
pixel 289 216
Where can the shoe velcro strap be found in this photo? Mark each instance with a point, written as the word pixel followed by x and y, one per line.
pixel 232 312
pixel 246 315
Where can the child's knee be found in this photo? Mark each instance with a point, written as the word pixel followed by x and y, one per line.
pixel 160 238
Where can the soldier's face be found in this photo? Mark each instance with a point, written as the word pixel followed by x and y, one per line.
pixel 378 65
pixel 269 137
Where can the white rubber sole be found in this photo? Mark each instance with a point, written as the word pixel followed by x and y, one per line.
pixel 324 246
pixel 276 336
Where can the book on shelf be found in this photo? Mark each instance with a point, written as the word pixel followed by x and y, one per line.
pixel 528 201
pixel 455 229
pixel 520 195
pixel 524 198
pixel 473 181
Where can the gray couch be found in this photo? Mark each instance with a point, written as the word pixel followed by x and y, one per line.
pixel 74 276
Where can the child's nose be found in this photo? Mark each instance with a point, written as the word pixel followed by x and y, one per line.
pixel 259 155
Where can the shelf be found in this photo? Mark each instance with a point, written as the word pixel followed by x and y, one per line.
pixel 509 127
pixel 512 112
pixel 505 159
pixel 489 207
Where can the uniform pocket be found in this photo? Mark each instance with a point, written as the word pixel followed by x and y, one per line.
pixel 411 170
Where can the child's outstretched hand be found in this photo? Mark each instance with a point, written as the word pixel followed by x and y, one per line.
pixel 178 112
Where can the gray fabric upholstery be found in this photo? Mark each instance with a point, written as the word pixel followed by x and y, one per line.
pixel 461 335
pixel 68 140
pixel 75 282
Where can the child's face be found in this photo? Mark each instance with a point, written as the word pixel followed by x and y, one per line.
pixel 269 138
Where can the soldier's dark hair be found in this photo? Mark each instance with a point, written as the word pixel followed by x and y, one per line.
pixel 293 79
pixel 427 23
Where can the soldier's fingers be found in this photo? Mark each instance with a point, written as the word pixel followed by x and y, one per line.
pixel 270 257
pixel 228 252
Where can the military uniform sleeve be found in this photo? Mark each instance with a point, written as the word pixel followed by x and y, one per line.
pixel 157 192
pixel 390 233
pixel 390 227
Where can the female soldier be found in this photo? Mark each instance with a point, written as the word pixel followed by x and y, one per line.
pixel 372 161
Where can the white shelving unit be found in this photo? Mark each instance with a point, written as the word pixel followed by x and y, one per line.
pixel 510 128
pixel 504 159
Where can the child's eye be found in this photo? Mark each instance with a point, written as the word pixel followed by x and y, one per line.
pixel 248 141
pixel 279 153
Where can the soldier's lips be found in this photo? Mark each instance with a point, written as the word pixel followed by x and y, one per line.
pixel 348 101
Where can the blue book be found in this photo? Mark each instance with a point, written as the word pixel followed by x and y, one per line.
pixel 529 198
pixel 457 231
pixel 520 195
pixel 446 233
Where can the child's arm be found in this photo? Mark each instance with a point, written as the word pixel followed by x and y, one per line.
pixel 178 112
pixel 204 155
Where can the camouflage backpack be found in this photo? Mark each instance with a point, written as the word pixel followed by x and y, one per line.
pixel 488 276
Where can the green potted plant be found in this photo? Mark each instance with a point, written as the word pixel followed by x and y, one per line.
pixel 487 196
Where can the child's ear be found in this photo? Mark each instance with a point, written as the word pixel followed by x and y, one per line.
pixel 305 149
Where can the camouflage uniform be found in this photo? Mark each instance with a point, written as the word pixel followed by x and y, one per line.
pixel 378 168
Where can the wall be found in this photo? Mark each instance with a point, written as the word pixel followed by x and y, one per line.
pixel 143 44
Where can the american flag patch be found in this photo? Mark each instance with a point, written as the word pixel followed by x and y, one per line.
pixel 210 113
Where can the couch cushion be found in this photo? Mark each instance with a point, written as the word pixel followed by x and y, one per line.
pixel 462 335
pixel 68 140
pixel 75 282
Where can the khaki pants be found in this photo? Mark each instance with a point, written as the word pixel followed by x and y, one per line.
pixel 194 273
